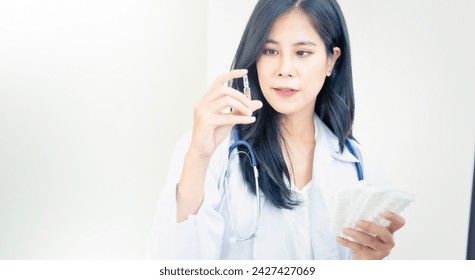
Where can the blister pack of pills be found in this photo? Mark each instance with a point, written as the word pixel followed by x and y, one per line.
pixel 363 202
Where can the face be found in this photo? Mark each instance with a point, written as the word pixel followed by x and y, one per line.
pixel 294 64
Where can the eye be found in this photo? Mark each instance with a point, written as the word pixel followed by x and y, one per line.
pixel 270 52
pixel 303 53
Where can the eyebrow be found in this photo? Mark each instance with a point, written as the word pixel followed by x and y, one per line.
pixel 302 43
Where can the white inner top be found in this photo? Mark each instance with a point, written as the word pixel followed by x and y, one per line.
pixel 297 225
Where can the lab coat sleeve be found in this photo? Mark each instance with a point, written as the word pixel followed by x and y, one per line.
pixel 200 236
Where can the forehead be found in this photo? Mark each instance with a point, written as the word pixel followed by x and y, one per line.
pixel 294 26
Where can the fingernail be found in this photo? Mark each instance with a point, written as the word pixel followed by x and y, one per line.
pixel 388 214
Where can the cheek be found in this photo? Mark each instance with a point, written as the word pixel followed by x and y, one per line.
pixel 318 67
pixel 264 78
pixel 317 84
pixel 263 73
pixel 315 79
pixel 262 68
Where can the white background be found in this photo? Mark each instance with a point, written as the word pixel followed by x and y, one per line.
pixel 94 94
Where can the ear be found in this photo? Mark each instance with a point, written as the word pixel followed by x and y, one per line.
pixel 331 60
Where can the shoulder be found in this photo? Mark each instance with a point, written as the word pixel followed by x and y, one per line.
pixel 373 167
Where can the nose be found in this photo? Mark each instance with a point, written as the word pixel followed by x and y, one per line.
pixel 286 67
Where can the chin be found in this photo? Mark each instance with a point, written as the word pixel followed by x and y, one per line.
pixel 288 109
pixel 285 109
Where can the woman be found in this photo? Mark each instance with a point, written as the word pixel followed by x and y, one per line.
pixel 301 112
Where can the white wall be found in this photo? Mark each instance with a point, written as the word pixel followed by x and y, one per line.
pixel 226 22
pixel 89 92
pixel 94 94
pixel 413 62
pixel 415 101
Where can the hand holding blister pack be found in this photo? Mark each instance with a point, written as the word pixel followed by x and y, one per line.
pixel 363 202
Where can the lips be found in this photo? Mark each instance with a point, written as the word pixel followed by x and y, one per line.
pixel 285 92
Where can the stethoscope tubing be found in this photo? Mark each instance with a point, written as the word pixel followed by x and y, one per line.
pixel 253 160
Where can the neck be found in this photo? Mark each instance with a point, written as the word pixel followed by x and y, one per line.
pixel 298 147
pixel 298 128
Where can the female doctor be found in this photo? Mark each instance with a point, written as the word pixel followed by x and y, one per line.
pixel 296 55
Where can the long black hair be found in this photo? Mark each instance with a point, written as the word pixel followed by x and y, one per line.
pixel 334 105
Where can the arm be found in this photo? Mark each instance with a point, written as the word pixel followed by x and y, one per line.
pixel 187 224
pixel 210 127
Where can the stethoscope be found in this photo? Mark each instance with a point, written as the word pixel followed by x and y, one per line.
pixel 252 158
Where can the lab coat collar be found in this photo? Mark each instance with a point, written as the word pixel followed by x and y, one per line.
pixel 324 136
pixel 329 172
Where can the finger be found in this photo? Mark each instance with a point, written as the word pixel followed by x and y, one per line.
pixel 225 77
pixel 224 102
pixel 363 252
pixel 367 240
pixel 226 91
pixel 355 247
pixel 225 120
pixel 397 221
pixel 372 228
pixel 255 105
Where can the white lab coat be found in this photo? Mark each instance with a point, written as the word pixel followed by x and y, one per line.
pixel 207 235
